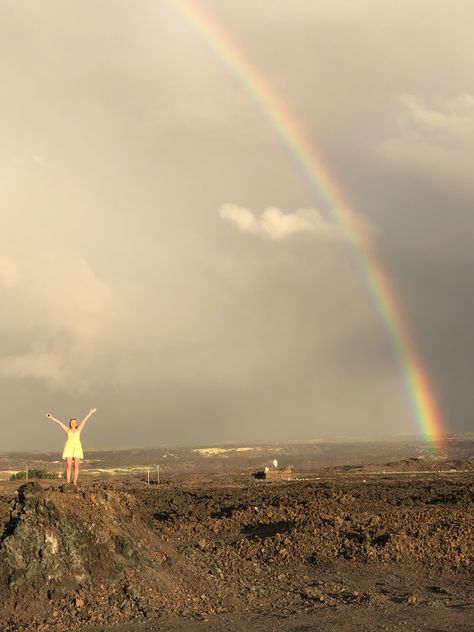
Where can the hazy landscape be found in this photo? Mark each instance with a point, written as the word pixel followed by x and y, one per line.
pixel 308 458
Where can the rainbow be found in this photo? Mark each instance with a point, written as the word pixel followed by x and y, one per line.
pixel 422 397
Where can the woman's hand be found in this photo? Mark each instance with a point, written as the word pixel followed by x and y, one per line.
pixel 86 418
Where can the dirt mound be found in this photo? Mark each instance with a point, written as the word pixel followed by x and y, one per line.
pixel 90 553
pixel 44 541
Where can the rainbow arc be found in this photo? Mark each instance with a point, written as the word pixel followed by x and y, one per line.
pixel 421 394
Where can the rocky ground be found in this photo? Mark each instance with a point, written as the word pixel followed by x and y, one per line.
pixel 339 552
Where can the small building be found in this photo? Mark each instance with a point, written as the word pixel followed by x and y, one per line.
pixel 273 474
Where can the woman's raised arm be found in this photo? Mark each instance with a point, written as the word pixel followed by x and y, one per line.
pixel 60 423
pixel 89 414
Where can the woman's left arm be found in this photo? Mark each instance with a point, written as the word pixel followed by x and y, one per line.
pixel 86 418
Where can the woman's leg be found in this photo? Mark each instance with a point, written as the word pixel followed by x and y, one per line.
pixel 77 462
pixel 68 469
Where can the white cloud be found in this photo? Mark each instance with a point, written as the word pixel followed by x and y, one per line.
pixel 275 225
pixel 240 217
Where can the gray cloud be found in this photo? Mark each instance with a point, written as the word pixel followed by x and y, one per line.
pixel 434 141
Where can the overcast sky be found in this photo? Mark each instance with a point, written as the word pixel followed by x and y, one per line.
pixel 163 257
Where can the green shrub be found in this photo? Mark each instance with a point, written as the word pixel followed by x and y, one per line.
pixel 21 476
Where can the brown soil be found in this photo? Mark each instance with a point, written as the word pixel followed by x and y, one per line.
pixel 338 553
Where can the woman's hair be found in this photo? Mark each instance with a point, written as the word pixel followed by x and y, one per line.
pixel 71 420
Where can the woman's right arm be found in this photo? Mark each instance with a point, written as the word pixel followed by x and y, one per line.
pixel 60 423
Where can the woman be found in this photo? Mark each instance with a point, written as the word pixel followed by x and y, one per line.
pixel 73 448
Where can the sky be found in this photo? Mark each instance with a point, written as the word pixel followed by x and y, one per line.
pixel 164 258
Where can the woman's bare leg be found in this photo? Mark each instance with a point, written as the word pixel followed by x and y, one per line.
pixel 68 469
pixel 77 462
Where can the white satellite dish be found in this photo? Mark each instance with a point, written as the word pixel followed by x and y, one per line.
pixel 275 463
